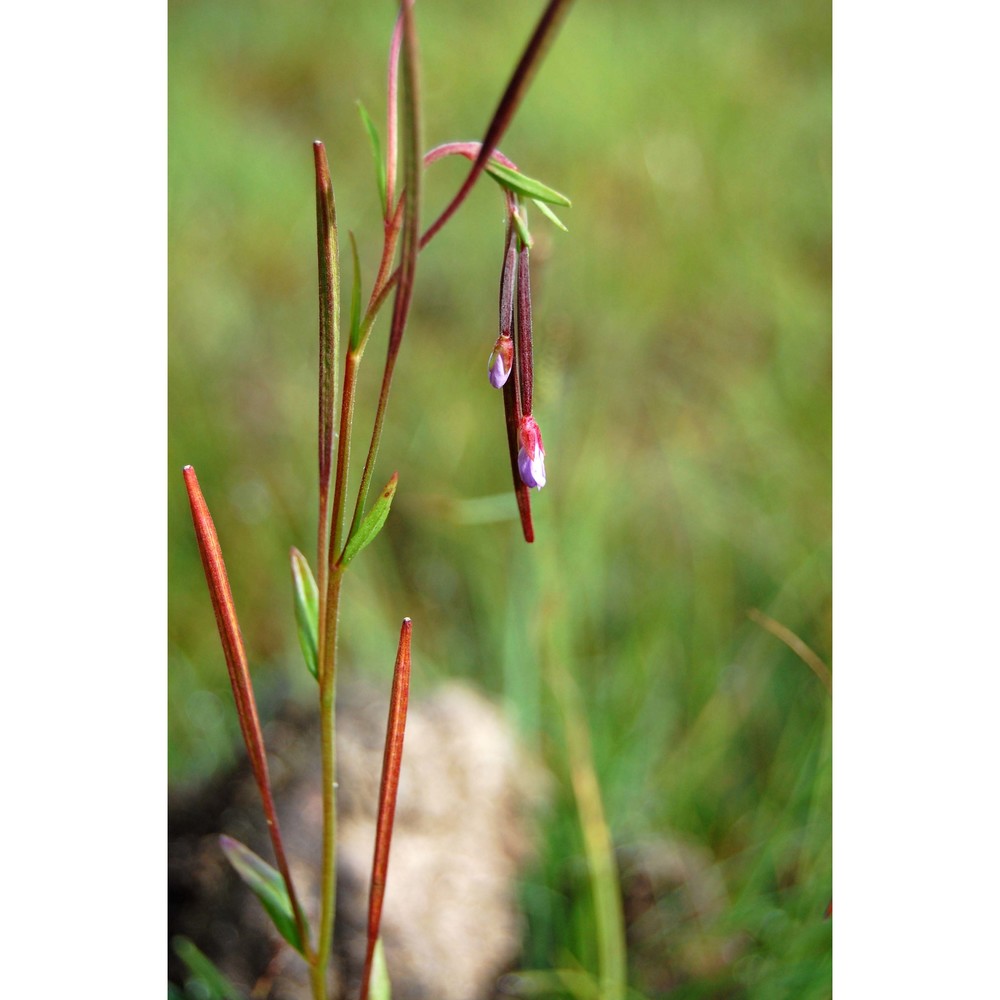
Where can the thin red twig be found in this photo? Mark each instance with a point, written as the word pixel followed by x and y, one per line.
pixel 239 675
pixel 520 79
pixel 391 763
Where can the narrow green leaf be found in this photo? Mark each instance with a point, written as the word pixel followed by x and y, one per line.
pixel 376 153
pixel 381 987
pixel 355 339
pixel 520 184
pixel 267 885
pixel 206 980
pixel 372 524
pixel 549 214
pixel 306 596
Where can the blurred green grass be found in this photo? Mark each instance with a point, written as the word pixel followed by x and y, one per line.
pixel 683 354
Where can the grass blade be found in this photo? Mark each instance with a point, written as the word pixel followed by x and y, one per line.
pixel 602 867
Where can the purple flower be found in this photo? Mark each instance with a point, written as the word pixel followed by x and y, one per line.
pixel 501 361
pixel 531 455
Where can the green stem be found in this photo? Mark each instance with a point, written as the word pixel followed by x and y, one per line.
pixel 327 697
pixel 351 365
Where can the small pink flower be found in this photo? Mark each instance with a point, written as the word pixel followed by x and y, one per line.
pixel 531 455
pixel 501 361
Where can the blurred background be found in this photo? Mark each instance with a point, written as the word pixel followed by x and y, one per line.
pixel 682 347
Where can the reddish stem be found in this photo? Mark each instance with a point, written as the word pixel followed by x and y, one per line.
pixel 329 336
pixel 410 200
pixel 470 150
pixel 509 102
pixel 521 492
pixel 392 117
pixel 526 371
pixel 239 676
pixel 507 282
pixel 392 760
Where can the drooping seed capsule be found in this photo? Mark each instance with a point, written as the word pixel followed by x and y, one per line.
pixel 531 454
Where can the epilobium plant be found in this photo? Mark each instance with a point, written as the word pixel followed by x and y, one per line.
pixel 341 537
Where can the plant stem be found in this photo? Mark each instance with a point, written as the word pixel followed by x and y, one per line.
pixel 412 166
pixel 403 218
pixel 327 699
pixel 343 456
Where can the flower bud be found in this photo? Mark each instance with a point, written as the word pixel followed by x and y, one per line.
pixel 531 455
pixel 501 361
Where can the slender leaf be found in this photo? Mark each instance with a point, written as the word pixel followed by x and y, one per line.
pixel 525 186
pixel 377 154
pixel 550 215
pixel 206 980
pixel 267 885
pixel 306 596
pixel 372 524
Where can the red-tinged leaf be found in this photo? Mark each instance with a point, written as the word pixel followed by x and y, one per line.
pixel 412 170
pixel 239 671
pixel 329 332
pixel 391 762
pixel 526 365
pixel 227 622
pixel 392 117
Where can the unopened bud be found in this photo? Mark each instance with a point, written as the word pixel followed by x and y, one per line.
pixel 501 361
pixel 531 455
